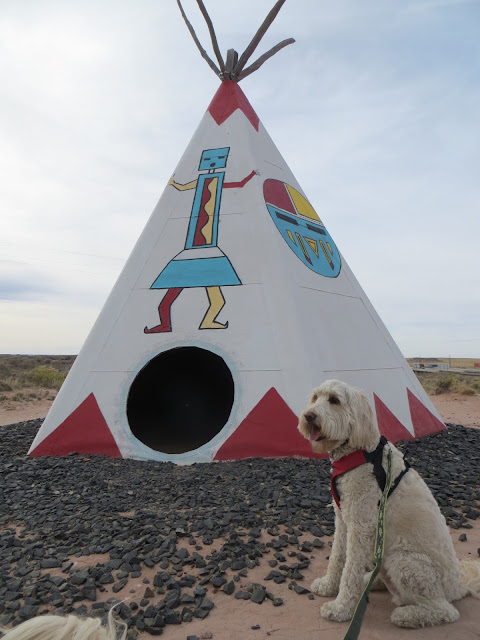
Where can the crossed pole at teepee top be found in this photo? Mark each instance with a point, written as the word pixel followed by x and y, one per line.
pixel 233 67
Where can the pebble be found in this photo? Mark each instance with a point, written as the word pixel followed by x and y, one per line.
pixel 229 588
pixel 267 512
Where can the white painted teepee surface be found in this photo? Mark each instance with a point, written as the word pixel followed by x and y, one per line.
pixel 296 314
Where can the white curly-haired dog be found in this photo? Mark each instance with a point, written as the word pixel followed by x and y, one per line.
pixel 420 568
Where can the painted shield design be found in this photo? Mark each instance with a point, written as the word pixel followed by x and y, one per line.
pixel 301 228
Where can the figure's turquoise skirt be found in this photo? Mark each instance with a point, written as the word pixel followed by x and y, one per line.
pixel 197 272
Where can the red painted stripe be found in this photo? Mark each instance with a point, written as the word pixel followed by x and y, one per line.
pixel 388 424
pixel 84 431
pixel 228 99
pixel 423 420
pixel 239 185
pixel 269 431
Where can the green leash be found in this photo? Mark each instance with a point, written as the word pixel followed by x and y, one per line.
pixel 356 622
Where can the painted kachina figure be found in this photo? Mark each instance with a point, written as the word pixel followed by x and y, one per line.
pixel 202 263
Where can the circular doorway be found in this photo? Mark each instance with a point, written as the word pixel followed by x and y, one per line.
pixel 180 400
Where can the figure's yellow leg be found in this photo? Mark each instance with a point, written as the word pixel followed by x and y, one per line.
pixel 217 302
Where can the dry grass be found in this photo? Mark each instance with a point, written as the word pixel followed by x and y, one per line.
pixel 31 378
pixel 449 382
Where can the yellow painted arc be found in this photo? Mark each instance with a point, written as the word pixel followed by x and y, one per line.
pixel 302 205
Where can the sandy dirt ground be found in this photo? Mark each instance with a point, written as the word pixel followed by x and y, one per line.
pixel 459 409
pixel 299 617
pixel 452 407
pixel 24 411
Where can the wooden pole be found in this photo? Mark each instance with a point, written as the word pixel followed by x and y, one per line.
pixel 258 63
pixel 233 67
pixel 213 36
pixel 203 53
pixel 258 36
pixel 232 59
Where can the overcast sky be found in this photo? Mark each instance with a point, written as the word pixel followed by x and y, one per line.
pixel 375 108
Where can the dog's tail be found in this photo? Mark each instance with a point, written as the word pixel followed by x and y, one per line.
pixel 470 576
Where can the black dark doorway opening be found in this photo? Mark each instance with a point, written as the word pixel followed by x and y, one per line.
pixel 180 400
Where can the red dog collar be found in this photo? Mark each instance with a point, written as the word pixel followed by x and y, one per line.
pixel 347 463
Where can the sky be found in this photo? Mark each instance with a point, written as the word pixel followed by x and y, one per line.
pixel 375 108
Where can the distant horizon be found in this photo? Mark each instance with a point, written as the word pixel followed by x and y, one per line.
pixel 474 358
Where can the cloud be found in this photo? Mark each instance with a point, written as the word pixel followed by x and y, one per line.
pixel 375 109
pixel 19 289
pixel 44 328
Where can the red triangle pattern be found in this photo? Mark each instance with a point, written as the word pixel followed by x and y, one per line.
pixel 389 425
pixel 228 99
pixel 84 431
pixel 423 420
pixel 268 431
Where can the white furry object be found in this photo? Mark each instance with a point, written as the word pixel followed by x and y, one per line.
pixel 420 568
pixel 70 627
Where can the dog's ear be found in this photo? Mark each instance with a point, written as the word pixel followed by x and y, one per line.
pixel 364 431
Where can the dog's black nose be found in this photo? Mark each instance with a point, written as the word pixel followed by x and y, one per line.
pixel 309 416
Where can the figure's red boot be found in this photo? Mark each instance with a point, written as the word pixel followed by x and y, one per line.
pixel 164 312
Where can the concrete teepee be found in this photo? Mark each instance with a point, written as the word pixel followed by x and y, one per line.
pixel 233 305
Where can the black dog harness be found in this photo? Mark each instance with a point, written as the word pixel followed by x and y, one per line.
pixel 357 458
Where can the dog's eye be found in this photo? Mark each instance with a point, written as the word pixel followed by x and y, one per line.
pixel 333 400
pixel 314 398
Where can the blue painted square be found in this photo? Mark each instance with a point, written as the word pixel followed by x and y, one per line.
pixel 214 159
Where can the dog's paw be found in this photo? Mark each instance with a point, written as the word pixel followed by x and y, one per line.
pixel 424 615
pixel 323 587
pixel 336 611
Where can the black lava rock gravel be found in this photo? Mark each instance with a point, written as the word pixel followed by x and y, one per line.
pixel 165 517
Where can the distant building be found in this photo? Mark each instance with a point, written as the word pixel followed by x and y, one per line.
pixel 430 366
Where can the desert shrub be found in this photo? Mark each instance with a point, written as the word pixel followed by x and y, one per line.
pixel 445 384
pixel 476 385
pixel 46 377
pixel 427 380
pixel 4 386
pixel 465 390
pixel 23 363
pixel 429 384
pixel 4 370
pixel 13 382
